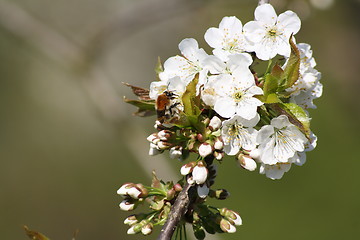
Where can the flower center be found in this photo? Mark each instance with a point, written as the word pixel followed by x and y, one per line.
pixel 238 96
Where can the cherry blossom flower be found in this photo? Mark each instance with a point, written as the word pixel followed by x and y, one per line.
pixel 280 141
pixel 275 171
pixel 228 39
pixel 238 133
pixel 188 65
pixel 270 33
pixel 235 95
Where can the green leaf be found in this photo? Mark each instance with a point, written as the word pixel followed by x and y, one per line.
pixel 291 71
pixel 145 107
pixel 35 235
pixel 159 67
pixel 189 99
pixel 296 115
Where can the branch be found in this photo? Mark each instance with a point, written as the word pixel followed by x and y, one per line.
pixel 177 211
pixel 263 2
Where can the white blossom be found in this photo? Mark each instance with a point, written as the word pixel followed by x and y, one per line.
pixel 238 133
pixel 247 163
pixel 215 123
pixel 228 39
pixel 270 33
pixel 200 174
pixel 205 149
pixel 187 65
pixel 235 95
pixel 279 141
pixel 275 171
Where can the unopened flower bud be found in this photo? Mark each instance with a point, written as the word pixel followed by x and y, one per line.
pixel 147 229
pixel 135 229
pixel 154 150
pixel 226 226
pixel 127 205
pixel 134 193
pixel 200 137
pixel 232 216
pixel 170 194
pixel 202 190
pixel 190 181
pixel 219 155
pixel 221 194
pixel 130 220
pixel 124 189
pixel 152 137
pixel 218 145
pixel 163 145
pixel 177 187
pixel 215 123
pixel 164 135
pixel 187 168
pixel 200 173
pixel 247 162
pixel 175 152
pixel 205 149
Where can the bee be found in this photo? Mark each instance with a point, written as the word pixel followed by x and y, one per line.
pixel 165 105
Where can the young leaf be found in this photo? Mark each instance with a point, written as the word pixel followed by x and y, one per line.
pixel 145 108
pixel 189 99
pixel 291 71
pixel 296 115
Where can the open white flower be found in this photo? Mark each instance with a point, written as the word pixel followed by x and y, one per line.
pixel 280 141
pixel 238 133
pixel 275 171
pixel 228 39
pixel 270 33
pixel 235 95
pixel 187 65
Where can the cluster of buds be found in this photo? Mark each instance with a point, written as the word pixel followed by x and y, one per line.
pixel 159 196
pixel 214 220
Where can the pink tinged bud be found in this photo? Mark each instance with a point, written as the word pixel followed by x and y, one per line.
pixel 126 205
pixel 199 174
pixel 218 145
pixel 177 187
pixel 124 189
pixel 205 149
pixel 247 162
pixel 202 191
pixel 200 137
pixel 227 227
pixel 215 123
pixel 170 194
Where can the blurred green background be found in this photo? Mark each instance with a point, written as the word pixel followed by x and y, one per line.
pixel 67 140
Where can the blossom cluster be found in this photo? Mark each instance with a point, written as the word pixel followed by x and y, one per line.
pixel 259 123
pixel 248 99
